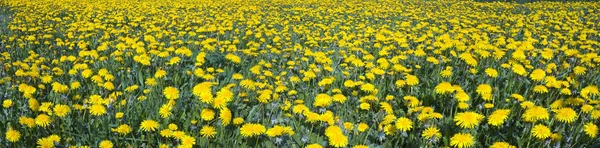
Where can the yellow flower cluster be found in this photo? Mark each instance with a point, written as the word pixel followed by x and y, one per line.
pixel 285 73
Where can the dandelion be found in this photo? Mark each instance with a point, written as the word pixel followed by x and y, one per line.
pixel 238 121
pixel 322 100
pixel 368 87
pixel 26 121
pixel 540 89
pixel 340 98
pixel 462 96
pixel 541 131
pixel 12 135
pixel 501 145
pixel 225 116
pixel 519 69
pixel 535 113
pixel 165 111
pixel 555 137
pixel 105 144
pixel 42 120
pixel 444 88
pixel 590 129
pixel 160 73
pixel 171 93
pixel 579 70
pixel 462 140
pixel 149 125
pixel 314 145
pixel 166 133
pixel 187 140
pixel 336 137
pixel 387 107
pixel 123 129
pixel 7 103
pixel 362 127
pixel 566 115
pixel 252 130
pixel 587 108
pixel 404 124
pixel 208 132
pixel 432 133
pixel 468 119
pixel 172 126
pixel 75 85
pixel 97 110
pixel 365 106
pixel 207 114
pixel 279 130
pixel 399 83
pixel 485 91
pixel 491 72
pixel 589 90
pixel 537 75
pixel 411 80
pixel 447 72
pixel 338 140
pixel 348 125
pixel 45 143
pixel 61 110
pixel 498 117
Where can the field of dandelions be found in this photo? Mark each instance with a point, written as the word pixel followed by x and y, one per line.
pixel 284 73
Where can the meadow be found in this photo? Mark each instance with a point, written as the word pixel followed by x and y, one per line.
pixel 285 73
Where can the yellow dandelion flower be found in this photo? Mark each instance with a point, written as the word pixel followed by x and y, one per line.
pixel 468 119
pixel 566 115
pixel 207 114
pixel 208 132
pixel 238 121
pixel 160 73
pixel 536 113
pixel 367 87
pixel 12 135
pixel 105 144
pixel 502 145
pixel 462 140
pixel 537 75
pixel 61 110
pixel 314 145
pixel 404 124
pixel 149 125
pixel 491 72
pixel 365 106
pixel 339 140
pixel 432 133
pixel 444 88
pixel 411 80
pixel 362 127
pixel 591 129
pixel 225 116
pixel 251 130
pixel 278 130
pixel 43 120
pixel 498 117
pixel 171 93
pixel 123 129
pixel 7 103
pixel 322 100
pixel 541 131
pixel 519 69
pixel 97 110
